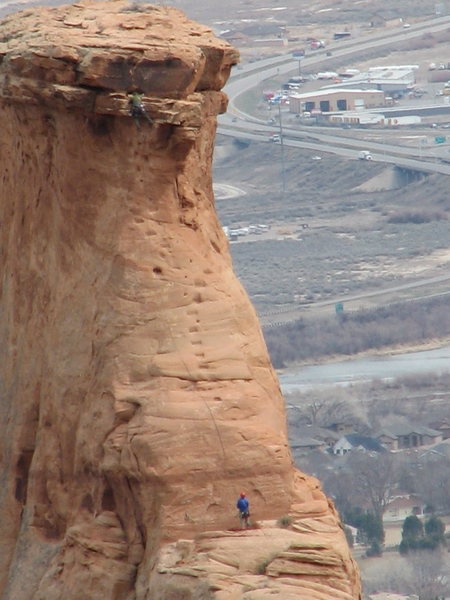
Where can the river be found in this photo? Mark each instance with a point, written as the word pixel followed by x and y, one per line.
pixel 365 369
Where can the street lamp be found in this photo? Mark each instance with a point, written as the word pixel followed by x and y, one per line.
pixel 283 172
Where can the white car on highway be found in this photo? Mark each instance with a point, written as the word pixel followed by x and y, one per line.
pixel 365 155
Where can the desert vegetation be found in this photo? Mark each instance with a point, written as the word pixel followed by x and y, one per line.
pixel 416 216
pixel 347 334
pixel 423 574
pixel 356 242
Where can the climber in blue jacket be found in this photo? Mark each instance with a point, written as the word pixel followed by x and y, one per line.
pixel 243 507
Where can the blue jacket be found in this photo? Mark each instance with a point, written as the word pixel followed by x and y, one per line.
pixel 242 505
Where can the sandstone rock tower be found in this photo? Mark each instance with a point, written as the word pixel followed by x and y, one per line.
pixel 136 391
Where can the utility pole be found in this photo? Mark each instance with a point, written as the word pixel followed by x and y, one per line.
pixel 283 171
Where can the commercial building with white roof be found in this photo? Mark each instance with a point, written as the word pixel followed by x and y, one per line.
pixel 333 100
pixel 391 80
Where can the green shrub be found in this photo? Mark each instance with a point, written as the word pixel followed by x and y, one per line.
pixel 134 7
pixel 263 564
pixel 178 591
pixel 374 550
pixel 416 216
pixel 415 536
pixel 261 567
pixel 285 521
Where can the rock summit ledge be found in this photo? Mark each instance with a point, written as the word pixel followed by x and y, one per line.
pixel 88 55
pixel 136 392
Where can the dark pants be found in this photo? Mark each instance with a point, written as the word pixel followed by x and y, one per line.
pixel 137 112
pixel 243 516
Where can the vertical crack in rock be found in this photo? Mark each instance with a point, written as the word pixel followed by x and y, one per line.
pixel 137 394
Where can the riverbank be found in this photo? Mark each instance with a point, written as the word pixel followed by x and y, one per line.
pixel 426 360
pixel 434 344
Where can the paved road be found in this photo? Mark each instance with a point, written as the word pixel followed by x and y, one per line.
pixel 421 159
pixel 283 316
pixel 409 158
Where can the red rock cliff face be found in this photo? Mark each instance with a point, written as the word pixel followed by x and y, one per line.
pixel 136 391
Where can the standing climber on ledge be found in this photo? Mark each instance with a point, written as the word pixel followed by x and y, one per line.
pixel 243 507
pixel 136 108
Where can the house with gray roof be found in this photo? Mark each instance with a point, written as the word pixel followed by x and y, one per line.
pixel 354 441
pixel 438 451
pixel 443 425
pixel 406 436
pixel 304 446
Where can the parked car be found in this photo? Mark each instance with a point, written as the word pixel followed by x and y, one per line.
pixel 316 44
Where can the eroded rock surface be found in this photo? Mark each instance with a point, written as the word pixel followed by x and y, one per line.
pixel 136 391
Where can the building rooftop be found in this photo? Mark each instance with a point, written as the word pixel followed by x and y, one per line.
pixel 441 449
pixel 316 432
pixel 364 441
pixel 383 68
pixel 306 443
pixel 395 431
pixel 380 76
pixel 329 92
pixel 397 503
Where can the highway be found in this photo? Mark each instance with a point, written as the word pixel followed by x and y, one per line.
pixel 310 137
pixel 415 159
pixel 279 317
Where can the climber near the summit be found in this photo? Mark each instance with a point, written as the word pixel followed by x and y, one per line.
pixel 243 507
pixel 136 108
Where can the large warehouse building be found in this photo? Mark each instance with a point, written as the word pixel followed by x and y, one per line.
pixel 325 101
pixel 397 80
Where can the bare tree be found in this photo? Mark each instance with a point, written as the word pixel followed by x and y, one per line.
pixel 317 408
pixel 374 475
pixel 433 481
pixel 428 475
pixel 423 573
pixel 340 487
pixel 428 577
pixel 313 409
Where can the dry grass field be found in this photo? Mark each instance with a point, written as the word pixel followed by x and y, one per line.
pixel 302 13
pixel 354 242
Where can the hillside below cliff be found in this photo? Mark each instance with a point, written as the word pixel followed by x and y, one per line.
pixel 137 393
